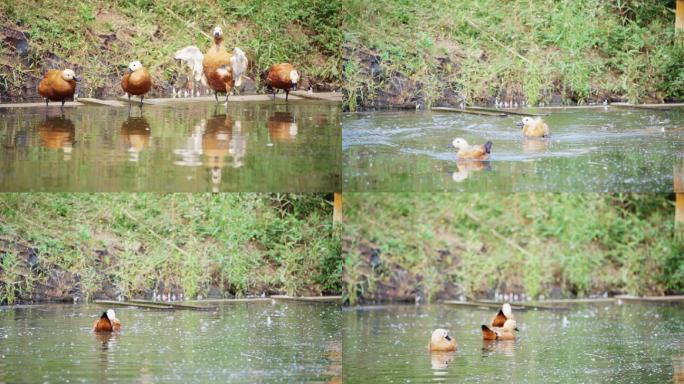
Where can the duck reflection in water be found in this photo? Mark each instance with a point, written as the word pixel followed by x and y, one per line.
pixel 210 143
pixel 282 127
pixel 491 347
pixel 136 136
pixel 535 145
pixel 464 167
pixel 58 133
pixel 439 361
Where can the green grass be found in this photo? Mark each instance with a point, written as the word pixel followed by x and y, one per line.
pixel 527 49
pixel 306 33
pixel 441 245
pixel 239 243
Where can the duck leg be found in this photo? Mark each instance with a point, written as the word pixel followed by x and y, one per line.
pixel 129 99
pixel 141 100
pixel 287 93
pixel 46 103
pixel 63 101
pixel 216 97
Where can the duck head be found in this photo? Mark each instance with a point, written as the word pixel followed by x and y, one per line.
pixel 441 341
pixel 134 66
pixel 525 121
pixel 459 143
pixel 217 33
pixel 507 310
pixel 111 315
pixel 294 78
pixel 69 75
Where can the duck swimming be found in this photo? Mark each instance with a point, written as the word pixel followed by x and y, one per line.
pixel 506 332
pixel 472 152
pixel 107 322
pixel 441 341
pixel 534 127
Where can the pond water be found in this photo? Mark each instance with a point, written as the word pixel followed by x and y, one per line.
pixel 177 147
pixel 630 343
pixel 607 149
pixel 255 342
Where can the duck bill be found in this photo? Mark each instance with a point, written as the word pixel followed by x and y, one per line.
pixel 77 78
pixel 447 337
pixel 519 124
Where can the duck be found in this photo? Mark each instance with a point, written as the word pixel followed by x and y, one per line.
pixel 472 152
pixel 58 85
pixel 107 322
pixel 136 81
pixel 441 341
pixel 534 127
pixel 505 332
pixel 282 76
pixel 222 70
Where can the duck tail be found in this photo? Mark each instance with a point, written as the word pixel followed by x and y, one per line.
pixel 488 146
pixel 104 324
pixel 488 334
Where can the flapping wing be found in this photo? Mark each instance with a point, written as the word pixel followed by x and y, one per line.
pixel 239 62
pixel 192 57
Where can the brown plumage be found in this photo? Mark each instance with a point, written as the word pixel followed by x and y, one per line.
pixel 57 133
pixel 534 127
pixel 58 85
pixel 282 76
pixel 136 81
pixel 472 152
pixel 505 332
pixel 217 68
pixel 107 323
pixel 136 134
pixel 282 127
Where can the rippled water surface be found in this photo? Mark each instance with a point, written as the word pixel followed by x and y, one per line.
pixel 190 146
pixel 608 343
pixel 248 343
pixel 608 149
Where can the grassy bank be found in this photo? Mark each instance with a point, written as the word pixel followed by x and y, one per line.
pixel 56 246
pixel 523 50
pixel 100 38
pixel 398 246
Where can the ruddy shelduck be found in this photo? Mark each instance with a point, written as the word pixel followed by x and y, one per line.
pixel 505 332
pixel 136 81
pixel 58 85
pixel 282 76
pixel 107 322
pixel 222 70
pixel 441 341
pixel 534 127
pixel 472 152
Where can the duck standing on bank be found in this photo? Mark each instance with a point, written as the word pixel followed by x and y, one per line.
pixel 58 85
pixel 222 70
pixel 136 81
pixel 282 76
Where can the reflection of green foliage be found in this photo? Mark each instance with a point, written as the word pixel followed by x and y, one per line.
pixel 581 243
pixel 241 243
pixel 579 49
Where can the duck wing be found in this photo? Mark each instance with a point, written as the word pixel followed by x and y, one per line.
pixel 239 64
pixel 499 319
pixel 193 58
